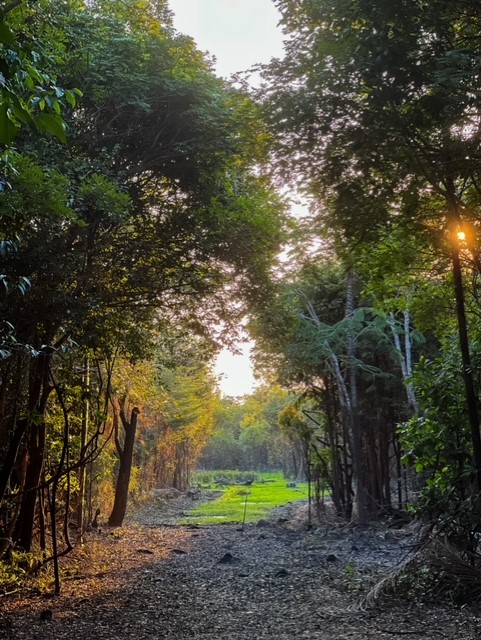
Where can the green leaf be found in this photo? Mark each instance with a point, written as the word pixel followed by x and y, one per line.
pixel 19 111
pixel 70 97
pixel 52 124
pixel 8 130
pixel 29 82
pixel 6 36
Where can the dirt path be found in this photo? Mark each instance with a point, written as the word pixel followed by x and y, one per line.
pixel 213 583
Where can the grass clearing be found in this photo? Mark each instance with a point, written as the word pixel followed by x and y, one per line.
pixel 263 496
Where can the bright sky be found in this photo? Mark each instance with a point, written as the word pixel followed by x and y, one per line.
pixel 236 377
pixel 239 34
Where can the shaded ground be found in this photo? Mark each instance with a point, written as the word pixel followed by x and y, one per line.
pixel 268 581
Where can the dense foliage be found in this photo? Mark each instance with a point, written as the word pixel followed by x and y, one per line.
pixel 246 434
pixel 374 114
pixel 136 230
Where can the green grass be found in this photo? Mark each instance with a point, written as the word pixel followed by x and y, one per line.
pixel 261 497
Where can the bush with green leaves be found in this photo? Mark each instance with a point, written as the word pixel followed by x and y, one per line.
pixel 437 445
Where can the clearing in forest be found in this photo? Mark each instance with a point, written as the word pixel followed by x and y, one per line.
pixel 248 502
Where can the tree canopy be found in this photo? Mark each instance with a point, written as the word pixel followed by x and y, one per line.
pixel 143 217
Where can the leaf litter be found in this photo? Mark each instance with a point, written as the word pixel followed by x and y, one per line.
pixel 151 579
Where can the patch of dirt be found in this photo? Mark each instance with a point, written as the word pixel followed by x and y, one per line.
pixel 270 581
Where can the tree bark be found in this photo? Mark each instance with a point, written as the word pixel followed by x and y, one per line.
pixel 471 400
pixel 405 358
pixel 83 447
pixel 19 429
pixel 126 454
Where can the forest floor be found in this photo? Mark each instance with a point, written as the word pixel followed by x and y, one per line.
pixel 270 580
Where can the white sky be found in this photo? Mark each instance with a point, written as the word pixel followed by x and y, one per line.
pixel 239 34
pixel 236 376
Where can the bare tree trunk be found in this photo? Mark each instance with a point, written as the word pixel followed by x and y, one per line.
pixel 126 454
pixel 83 446
pixel 347 392
pixel 23 534
pixel 39 392
pixel 337 484
pixel 406 357
pixel 64 456
pixel 19 429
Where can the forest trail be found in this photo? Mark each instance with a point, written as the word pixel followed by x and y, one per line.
pixel 267 581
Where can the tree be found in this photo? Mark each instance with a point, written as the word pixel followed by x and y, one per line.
pixel 126 454
pixel 375 108
pixel 246 433
pixel 311 337
pixel 154 216
pixel 188 416
pixel 29 94
pixel 299 430
pixel 223 450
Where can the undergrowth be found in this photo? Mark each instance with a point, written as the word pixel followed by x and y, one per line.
pixel 22 567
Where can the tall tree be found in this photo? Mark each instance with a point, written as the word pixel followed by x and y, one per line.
pixel 376 107
pixel 29 94
pixel 318 348
pixel 125 452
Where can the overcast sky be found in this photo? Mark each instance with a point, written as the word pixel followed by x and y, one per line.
pixel 239 34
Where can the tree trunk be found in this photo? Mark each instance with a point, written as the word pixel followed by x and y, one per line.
pixel 19 429
pixel 337 491
pixel 83 447
pixel 39 392
pixel 471 399
pixel 360 513
pixel 126 454
pixel 405 358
